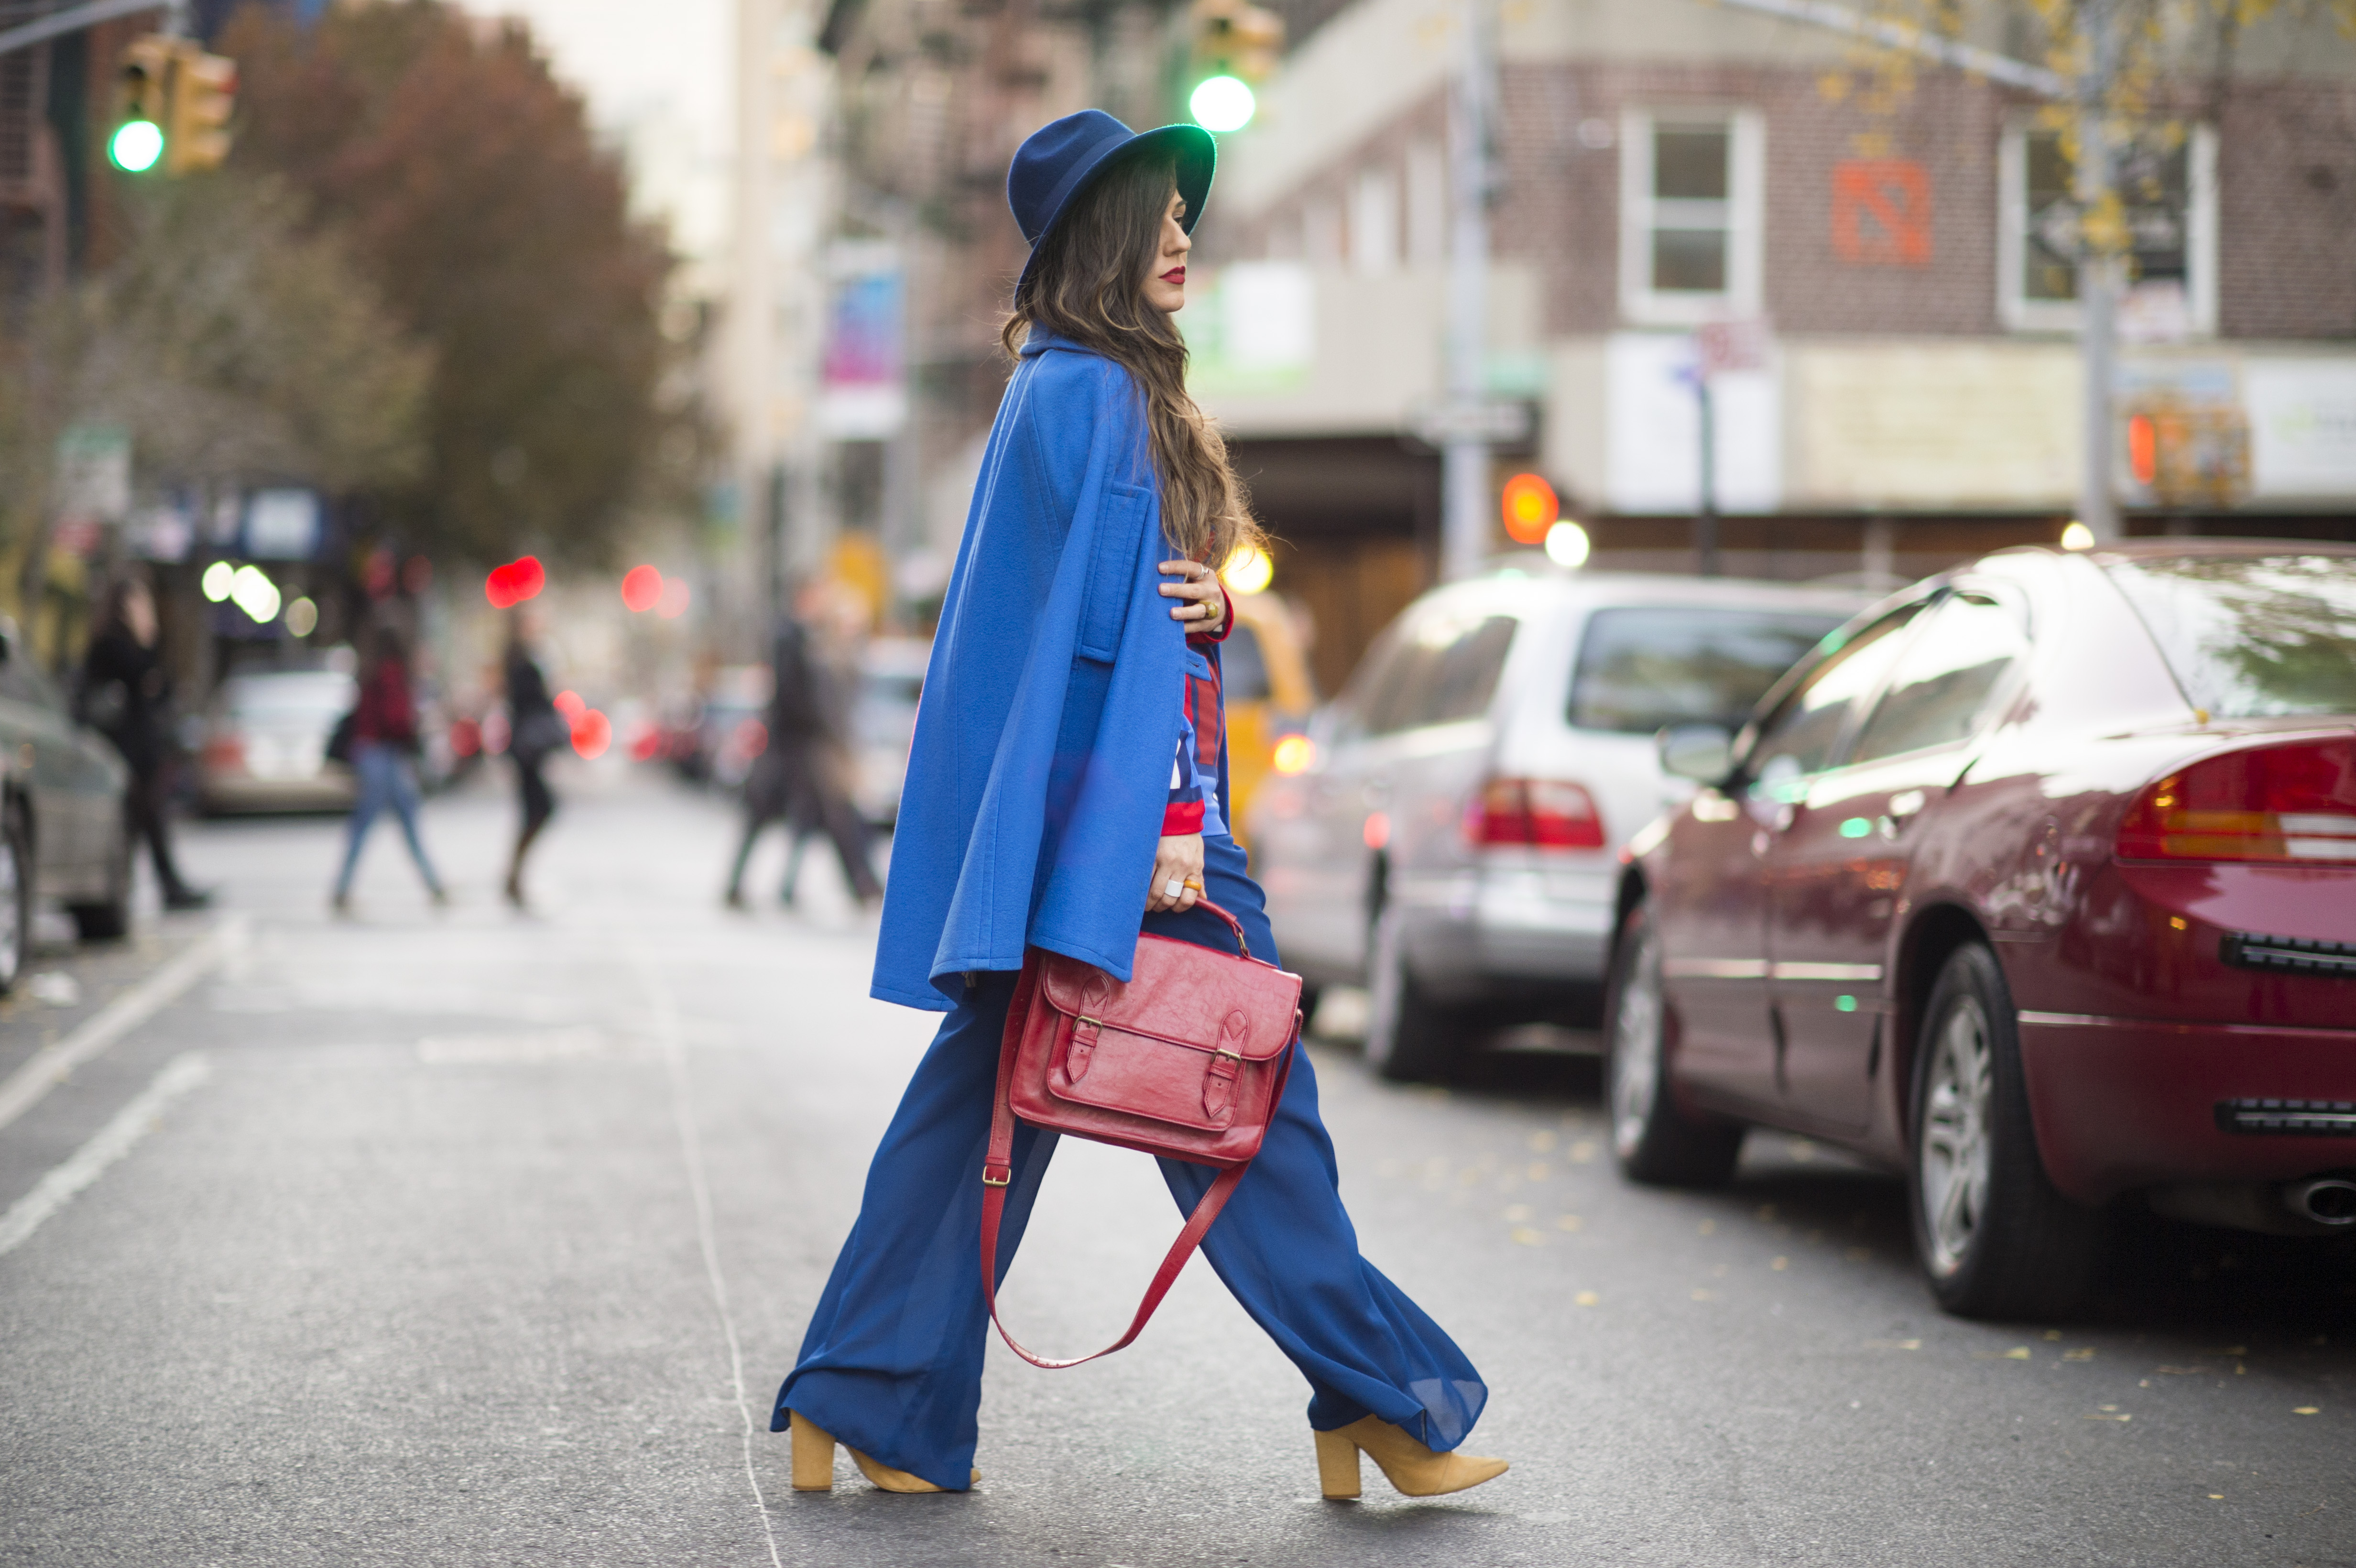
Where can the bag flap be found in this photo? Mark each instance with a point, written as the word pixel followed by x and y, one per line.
pixel 1186 995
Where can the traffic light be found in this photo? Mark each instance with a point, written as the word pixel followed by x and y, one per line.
pixel 1235 45
pixel 204 95
pixel 141 105
pixel 173 102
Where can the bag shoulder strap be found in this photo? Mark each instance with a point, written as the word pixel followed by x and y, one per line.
pixel 998 1173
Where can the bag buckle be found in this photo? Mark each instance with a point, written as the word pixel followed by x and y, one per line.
pixel 1004 1178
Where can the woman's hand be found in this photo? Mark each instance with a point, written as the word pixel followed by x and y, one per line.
pixel 1202 603
pixel 1177 863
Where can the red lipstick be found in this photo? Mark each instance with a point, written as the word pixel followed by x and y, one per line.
pixel 1174 276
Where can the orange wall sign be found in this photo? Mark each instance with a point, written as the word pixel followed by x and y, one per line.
pixel 1881 212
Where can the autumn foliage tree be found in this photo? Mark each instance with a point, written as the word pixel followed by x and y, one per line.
pixel 467 182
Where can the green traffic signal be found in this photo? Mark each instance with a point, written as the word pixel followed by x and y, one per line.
pixel 136 146
pixel 1221 103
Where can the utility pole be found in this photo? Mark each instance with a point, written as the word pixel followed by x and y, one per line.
pixel 1465 454
pixel 2099 267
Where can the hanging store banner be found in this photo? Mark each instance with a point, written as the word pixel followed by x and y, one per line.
pixel 864 378
pixel 1654 429
pixel 2302 418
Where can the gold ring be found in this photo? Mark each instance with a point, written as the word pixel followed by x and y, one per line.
pixel 1194 884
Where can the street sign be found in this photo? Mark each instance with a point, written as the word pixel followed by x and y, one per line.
pixel 1720 346
pixel 1499 424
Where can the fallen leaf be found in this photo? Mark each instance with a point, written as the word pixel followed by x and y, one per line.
pixel 1568 1223
pixel 2053 1333
pixel 1528 1237
pixel 2216 1497
pixel 1518 1212
pixel 1582 1152
pixel 1781 1264
pixel 2017 1353
pixel 1585 1298
pixel 2084 1353
pixel 2307 1410
pixel 2110 1418
pixel 1707 1227
pixel 1704 1296
pixel 2183 1372
pixel 1893 1344
pixel 1541 1141
pixel 1537 1170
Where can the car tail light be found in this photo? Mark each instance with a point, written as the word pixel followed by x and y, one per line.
pixel 2291 805
pixel 225 753
pixel 1552 814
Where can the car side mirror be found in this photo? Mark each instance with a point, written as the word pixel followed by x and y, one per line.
pixel 1704 752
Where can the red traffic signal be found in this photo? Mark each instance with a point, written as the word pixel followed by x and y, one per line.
pixel 517 580
pixel 642 587
pixel 1531 508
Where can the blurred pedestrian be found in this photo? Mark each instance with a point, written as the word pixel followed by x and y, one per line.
pixel 384 744
pixel 1065 782
pixel 535 730
pixel 800 776
pixel 126 696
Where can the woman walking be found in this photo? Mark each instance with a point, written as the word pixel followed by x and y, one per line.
pixel 126 696
pixel 1067 778
pixel 535 729
pixel 384 746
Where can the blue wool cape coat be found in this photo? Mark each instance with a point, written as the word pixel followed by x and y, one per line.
pixel 1053 702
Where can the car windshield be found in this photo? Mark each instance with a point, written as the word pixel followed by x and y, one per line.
pixel 288 696
pixel 1642 669
pixel 2250 637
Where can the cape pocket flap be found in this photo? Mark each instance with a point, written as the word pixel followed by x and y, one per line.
pixel 1184 995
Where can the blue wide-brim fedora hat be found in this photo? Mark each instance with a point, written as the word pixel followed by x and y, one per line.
pixel 1062 158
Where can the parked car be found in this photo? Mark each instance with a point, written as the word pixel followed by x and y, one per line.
pixel 62 834
pixel 1452 844
pixel 1270 695
pixel 883 722
pixel 2038 881
pixel 265 742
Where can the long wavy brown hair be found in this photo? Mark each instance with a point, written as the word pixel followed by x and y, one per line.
pixel 1088 284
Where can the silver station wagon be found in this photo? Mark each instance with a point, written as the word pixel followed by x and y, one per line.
pixel 1452 841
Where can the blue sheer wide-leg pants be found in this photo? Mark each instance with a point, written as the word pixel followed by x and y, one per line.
pixel 892 1362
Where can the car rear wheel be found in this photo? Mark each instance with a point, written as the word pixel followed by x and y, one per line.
pixel 1408 1040
pixel 16 898
pixel 1653 1140
pixel 1995 1238
pixel 109 919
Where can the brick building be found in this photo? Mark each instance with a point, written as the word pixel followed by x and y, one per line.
pixel 1668 163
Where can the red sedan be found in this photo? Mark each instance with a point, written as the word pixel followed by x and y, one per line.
pixel 2037 882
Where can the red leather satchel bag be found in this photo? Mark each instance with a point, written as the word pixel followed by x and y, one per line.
pixel 1188 1061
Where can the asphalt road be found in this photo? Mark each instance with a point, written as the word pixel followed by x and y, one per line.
pixel 465 1237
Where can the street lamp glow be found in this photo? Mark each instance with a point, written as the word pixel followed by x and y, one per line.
pixel 1247 571
pixel 1567 545
pixel 135 146
pixel 1221 103
pixel 2077 535
pixel 216 580
pixel 252 591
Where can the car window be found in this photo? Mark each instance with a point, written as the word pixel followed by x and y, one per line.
pixel 288 696
pixel 22 679
pixel 1449 673
pixel 1940 692
pixel 2250 637
pixel 1643 669
pixel 1799 737
pixel 1243 668
pixel 1369 686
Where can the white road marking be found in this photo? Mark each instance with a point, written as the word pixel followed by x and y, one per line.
pixel 691 1146
pixel 53 1064
pixel 109 1143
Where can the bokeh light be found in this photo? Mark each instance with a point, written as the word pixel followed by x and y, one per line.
pixel 569 704
pixel 1221 103
pixel 2077 535
pixel 1293 754
pixel 217 579
pixel 136 145
pixel 302 617
pixel 1531 508
pixel 1377 830
pixel 642 587
pixel 592 732
pixel 251 590
pixel 674 601
pixel 517 580
pixel 1567 545
pixel 1247 571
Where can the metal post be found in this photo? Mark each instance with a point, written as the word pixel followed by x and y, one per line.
pixel 1705 520
pixel 2098 270
pixel 1464 458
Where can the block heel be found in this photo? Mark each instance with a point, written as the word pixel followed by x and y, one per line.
pixel 813 1456
pixel 1338 1466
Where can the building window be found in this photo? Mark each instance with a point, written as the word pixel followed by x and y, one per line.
pixel 2171 211
pixel 1374 222
pixel 1691 205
